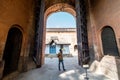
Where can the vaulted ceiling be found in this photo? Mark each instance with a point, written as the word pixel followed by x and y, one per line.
pixel 49 3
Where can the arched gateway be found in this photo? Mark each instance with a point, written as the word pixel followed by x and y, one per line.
pixel 75 7
pixel 90 15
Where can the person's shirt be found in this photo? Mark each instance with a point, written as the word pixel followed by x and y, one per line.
pixel 60 56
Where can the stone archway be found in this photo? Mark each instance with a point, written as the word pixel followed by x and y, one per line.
pixel 60 7
pixel 109 41
pixel 12 51
pixel 56 9
pixel 79 6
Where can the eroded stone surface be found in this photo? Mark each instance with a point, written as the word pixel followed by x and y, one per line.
pixel 109 66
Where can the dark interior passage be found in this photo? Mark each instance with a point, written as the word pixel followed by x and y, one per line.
pixel 12 50
pixel 109 42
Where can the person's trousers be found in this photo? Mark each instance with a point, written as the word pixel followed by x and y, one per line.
pixel 61 62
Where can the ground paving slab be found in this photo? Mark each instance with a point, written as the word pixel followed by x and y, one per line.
pixel 49 71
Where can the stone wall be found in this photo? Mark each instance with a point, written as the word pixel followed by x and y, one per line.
pixel 17 12
pixel 104 13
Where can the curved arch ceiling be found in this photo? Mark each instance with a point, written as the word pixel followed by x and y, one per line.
pixel 49 3
pixel 57 8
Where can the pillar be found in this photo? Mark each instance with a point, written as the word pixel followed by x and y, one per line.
pixel 39 25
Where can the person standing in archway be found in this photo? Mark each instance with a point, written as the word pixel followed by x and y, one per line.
pixel 60 57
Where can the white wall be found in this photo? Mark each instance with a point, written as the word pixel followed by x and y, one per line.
pixel 47 49
pixel 66 37
pixel 66 49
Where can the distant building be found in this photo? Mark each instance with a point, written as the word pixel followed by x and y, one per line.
pixel 64 38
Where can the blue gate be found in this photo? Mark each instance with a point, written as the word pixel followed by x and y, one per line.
pixel 52 49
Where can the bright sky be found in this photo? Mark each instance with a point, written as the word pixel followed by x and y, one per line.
pixel 61 20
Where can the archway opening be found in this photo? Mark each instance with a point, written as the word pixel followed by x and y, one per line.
pixel 61 28
pixel 12 51
pixel 82 38
pixel 61 31
pixel 109 42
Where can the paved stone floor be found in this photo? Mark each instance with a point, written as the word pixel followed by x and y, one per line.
pixel 49 71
